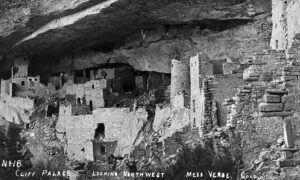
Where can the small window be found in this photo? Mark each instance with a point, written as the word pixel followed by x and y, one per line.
pixel 194 120
pixel 102 149
pixel 194 108
pixel 276 44
pixel 30 80
pixel 91 105
pixel 93 86
pixel 36 79
pixel 23 83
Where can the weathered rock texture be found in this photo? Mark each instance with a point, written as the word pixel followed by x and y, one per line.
pixel 48 30
pixel 286 25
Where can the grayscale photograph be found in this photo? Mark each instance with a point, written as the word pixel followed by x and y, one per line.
pixel 150 90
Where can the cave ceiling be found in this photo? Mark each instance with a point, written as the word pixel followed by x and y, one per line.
pixel 48 29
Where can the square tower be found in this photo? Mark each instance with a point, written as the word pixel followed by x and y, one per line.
pixel 200 68
pixel 180 84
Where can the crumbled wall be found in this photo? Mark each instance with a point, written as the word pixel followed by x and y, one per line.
pixel 225 87
pixel 120 124
pixel 32 87
pixel 110 72
pixel 91 90
pixel 257 131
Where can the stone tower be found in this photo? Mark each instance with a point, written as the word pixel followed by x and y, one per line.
pixel 200 71
pixel 180 84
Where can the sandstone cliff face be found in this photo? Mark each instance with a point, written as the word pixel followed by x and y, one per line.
pixel 155 51
pixel 50 30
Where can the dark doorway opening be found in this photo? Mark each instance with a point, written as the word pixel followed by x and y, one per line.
pixel 53 109
pixel 91 106
pixel 100 131
pixel 102 149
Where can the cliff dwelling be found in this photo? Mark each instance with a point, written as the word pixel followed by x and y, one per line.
pixel 133 87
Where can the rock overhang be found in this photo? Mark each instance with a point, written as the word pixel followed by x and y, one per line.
pixel 51 33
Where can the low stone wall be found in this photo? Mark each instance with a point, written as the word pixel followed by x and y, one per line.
pixel 226 87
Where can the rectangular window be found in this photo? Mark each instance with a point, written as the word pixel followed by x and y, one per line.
pixel 194 108
pixel 102 149
pixel 23 83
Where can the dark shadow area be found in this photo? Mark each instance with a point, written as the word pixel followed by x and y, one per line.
pixel 100 131
pixel 13 148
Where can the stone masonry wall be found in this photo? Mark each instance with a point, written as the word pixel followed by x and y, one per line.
pixel 278 40
pixel 179 82
pixel 91 90
pixel 293 21
pixel 286 23
pixel 258 131
pixel 288 93
pixel 200 68
pixel 119 123
pixel 226 87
